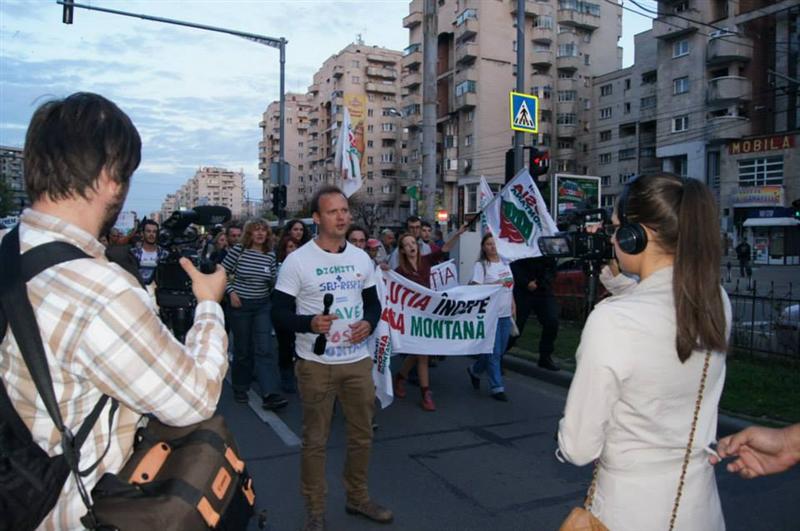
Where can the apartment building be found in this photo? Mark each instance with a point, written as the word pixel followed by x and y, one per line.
pixel 713 95
pixel 567 43
pixel 296 130
pixel 209 186
pixel 11 172
pixel 365 80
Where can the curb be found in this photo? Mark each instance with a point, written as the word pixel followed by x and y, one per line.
pixel 726 424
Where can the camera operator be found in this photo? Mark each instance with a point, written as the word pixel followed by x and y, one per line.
pixel 100 331
pixel 533 292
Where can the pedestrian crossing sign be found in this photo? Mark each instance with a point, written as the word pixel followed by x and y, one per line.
pixel 524 111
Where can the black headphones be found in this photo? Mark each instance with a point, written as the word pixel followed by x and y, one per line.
pixel 631 237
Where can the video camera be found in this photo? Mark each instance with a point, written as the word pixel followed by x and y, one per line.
pixel 580 244
pixel 173 286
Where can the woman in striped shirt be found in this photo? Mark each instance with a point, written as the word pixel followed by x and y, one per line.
pixel 251 266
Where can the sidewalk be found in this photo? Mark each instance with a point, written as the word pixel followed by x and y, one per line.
pixel 726 424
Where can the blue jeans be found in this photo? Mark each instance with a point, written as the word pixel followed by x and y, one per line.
pixel 491 362
pixel 254 355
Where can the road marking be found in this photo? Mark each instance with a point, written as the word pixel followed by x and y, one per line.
pixel 280 428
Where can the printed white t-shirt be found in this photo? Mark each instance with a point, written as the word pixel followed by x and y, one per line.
pixel 147 265
pixel 308 274
pixel 494 273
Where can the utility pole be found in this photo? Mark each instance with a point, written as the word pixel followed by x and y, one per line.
pixel 519 138
pixel 429 48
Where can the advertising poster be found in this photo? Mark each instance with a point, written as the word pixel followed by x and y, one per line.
pixel 575 192
pixel 356 104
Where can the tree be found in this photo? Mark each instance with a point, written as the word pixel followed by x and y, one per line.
pixel 365 212
pixel 7 204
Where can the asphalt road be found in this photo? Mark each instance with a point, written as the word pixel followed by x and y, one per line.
pixel 475 464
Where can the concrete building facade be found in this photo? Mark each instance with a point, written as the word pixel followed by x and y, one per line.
pixel 365 80
pixel 567 42
pixel 209 186
pixel 12 173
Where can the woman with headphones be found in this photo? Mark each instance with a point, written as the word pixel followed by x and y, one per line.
pixel 651 364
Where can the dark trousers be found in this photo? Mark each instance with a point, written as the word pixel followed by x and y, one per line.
pixel 545 307
pixel 253 352
pixel 744 267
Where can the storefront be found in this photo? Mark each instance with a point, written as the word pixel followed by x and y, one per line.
pixel 774 236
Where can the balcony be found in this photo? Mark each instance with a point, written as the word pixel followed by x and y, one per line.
pixel 566 153
pixel 566 130
pixel 385 73
pixel 380 88
pixel 567 83
pixel 466 52
pixel 571 17
pixel 412 57
pixel 729 88
pixel 570 107
pixel 412 20
pixel 532 8
pixel 542 59
pixel 570 62
pixel 377 58
pixel 670 26
pixel 723 128
pixel 338 71
pixel 313 88
pixel 412 79
pixel 468 29
pixel 728 47
pixel 542 34
pixel 541 80
pixel 466 101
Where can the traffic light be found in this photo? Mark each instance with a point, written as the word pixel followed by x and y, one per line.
pixel 540 162
pixel 796 209
pixel 69 7
pixel 279 200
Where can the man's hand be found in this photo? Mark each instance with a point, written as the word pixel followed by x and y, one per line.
pixel 236 302
pixel 359 331
pixel 532 285
pixel 205 287
pixel 321 324
pixel 760 451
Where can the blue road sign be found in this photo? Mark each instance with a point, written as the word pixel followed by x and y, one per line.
pixel 524 112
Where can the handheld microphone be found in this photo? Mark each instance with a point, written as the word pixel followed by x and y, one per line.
pixel 322 341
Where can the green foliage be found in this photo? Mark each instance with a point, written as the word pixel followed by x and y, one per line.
pixel 7 205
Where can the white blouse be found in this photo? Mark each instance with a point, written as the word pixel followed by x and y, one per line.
pixel 631 403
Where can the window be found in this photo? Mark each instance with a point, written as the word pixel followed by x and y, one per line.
pixel 680 123
pixel 566 74
pixel 605 180
pixel 605 158
pixel 761 171
pixel 356 79
pixel 472 198
pixel 370 160
pixel 567 95
pixel 370 112
pixel 606 90
pixel 370 175
pixel 569 49
pixel 387 157
pixel 566 144
pixel 545 116
pixel 627 154
pixel 369 143
pixel 543 22
pixel 355 63
pixel 650 78
pixel 465 87
pixel 468 140
pixel 470 116
pixel 370 128
pixel 609 200
pixel 648 152
pixel 680 85
pixel 627 108
pixel 605 136
pixel 581 6
pixel 680 48
pixel 466 15
pixel 566 118
pixel 388 127
pixel 539 46
pixel 586 60
pixel 628 84
pixel 648 102
pixel 605 113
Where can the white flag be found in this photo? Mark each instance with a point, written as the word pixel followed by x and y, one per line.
pixel 518 218
pixel 382 350
pixel 348 159
pixel 485 195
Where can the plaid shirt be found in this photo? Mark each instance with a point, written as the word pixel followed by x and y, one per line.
pixel 101 335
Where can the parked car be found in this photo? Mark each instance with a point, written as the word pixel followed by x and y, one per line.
pixel 787 329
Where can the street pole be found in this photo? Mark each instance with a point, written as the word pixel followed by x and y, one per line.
pixel 429 49
pixel 281 131
pixel 519 139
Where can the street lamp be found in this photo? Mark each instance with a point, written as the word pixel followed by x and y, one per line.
pixel 272 42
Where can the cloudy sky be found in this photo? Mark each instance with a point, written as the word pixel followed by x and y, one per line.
pixel 196 97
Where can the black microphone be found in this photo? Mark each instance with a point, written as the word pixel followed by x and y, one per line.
pixel 322 341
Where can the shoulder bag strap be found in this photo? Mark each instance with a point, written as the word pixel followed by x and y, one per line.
pixel 688 454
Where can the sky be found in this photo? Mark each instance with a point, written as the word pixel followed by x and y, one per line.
pixel 196 97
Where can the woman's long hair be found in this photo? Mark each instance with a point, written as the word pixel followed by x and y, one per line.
pixel 684 216
pixel 483 257
pixel 247 234
pixel 283 243
pixel 402 260
pixel 290 225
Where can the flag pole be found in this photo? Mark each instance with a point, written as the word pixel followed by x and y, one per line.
pixel 477 216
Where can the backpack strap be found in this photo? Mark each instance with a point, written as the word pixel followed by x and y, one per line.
pixel 17 312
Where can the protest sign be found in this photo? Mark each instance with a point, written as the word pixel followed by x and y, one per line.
pixel 444 276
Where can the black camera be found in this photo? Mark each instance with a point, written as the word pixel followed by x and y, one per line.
pixel 578 243
pixel 179 236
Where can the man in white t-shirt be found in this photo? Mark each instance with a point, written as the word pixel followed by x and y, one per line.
pixel 334 358
pixel 149 253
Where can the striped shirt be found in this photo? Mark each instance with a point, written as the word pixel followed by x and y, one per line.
pixel 101 334
pixel 254 272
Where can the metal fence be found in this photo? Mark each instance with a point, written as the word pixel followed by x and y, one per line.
pixel 764 322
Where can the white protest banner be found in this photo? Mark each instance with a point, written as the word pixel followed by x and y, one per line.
pixel 444 276
pixel 518 218
pixel 382 352
pixel 456 322
pixel 485 196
